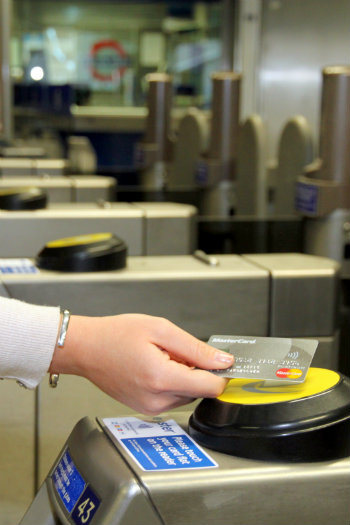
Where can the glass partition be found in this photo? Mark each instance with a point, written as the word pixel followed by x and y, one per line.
pixel 101 51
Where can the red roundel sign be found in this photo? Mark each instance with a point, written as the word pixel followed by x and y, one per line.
pixel 108 60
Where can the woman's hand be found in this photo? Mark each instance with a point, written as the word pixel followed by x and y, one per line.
pixel 145 362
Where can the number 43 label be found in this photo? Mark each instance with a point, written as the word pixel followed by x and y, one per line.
pixel 86 507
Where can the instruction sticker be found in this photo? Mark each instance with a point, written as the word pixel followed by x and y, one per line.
pixel 158 445
pixel 13 266
pixel 77 496
pixel 68 482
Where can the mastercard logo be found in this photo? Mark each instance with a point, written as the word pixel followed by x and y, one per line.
pixel 289 373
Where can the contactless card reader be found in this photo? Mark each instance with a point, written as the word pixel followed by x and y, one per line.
pixel 257 419
pixel 120 471
pixel 84 253
pixel 25 198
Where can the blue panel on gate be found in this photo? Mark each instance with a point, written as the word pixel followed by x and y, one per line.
pixel 68 482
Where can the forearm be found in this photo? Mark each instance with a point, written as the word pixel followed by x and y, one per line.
pixel 27 340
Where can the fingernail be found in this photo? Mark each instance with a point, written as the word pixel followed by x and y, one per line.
pixel 223 357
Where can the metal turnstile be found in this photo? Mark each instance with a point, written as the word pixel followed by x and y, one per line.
pixel 100 477
pixel 286 295
pixel 154 228
pixel 31 166
pixel 69 188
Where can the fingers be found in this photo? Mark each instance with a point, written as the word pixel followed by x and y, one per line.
pixel 198 383
pixel 183 346
pixel 178 379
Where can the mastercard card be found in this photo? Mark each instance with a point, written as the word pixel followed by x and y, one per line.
pixel 277 359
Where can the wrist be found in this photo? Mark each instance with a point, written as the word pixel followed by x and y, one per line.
pixel 68 359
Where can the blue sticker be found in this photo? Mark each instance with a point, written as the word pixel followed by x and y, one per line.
pixel 12 266
pixel 158 444
pixel 68 482
pixel 201 173
pixel 167 452
pixel 86 507
pixel 306 198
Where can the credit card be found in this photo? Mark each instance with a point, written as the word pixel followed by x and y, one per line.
pixel 278 359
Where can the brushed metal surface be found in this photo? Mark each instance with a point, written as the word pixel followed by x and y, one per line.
pixel 147 228
pixel 238 492
pixel 201 299
pixel 304 293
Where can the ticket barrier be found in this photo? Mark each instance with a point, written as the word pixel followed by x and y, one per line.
pixel 30 166
pixel 69 188
pixel 267 456
pixel 281 295
pixel 159 228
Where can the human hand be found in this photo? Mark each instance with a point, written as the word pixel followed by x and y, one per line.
pixel 142 361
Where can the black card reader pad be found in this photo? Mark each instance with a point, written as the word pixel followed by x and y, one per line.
pixel 23 199
pixel 302 422
pixel 95 252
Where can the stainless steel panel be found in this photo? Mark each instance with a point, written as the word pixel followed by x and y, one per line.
pixel 304 294
pixel 16 167
pixel 51 166
pixel 30 166
pixel 24 233
pixel 227 298
pixel 170 228
pixel 238 492
pixel 111 119
pixel 147 228
pixel 66 188
pixel 58 189
pixel 327 353
pixel 123 499
pixel 248 492
pixel 93 188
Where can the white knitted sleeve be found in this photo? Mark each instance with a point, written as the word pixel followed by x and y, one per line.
pixel 28 336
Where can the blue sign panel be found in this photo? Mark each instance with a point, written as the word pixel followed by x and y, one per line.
pixel 306 198
pixel 12 266
pixel 78 498
pixel 167 452
pixel 68 482
pixel 201 173
pixel 158 444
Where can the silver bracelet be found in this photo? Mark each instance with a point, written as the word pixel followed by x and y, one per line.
pixel 64 327
pixel 53 378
